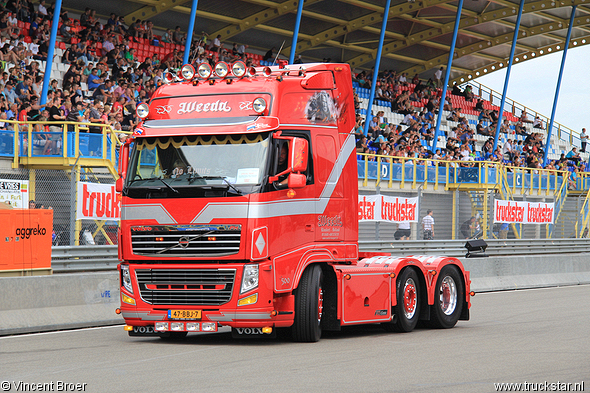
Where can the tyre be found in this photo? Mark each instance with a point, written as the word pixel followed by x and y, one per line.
pixel 448 298
pixel 407 309
pixel 309 299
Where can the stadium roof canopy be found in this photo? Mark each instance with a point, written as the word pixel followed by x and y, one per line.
pixel 417 40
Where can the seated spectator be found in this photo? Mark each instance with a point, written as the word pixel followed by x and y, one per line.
pixel 573 155
pixel 538 123
pixel 94 80
pixel 524 117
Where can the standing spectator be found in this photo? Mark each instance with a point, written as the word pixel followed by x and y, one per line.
pixel 438 77
pixel 467 227
pixel 403 231
pixel 428 225
pixel 177 35
pixel 216 44
pixel 584 140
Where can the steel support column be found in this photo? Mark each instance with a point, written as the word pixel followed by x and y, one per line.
pixel 296 32
pixel 565 47
pixel 447 75
pixel 376 69
pixel 501 114
pixel 189 37
pixel 50 51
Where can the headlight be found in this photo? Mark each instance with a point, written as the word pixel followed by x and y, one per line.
pixel 126 278
pixel 250 278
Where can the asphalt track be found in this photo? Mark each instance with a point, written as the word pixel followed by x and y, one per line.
pixel 534 336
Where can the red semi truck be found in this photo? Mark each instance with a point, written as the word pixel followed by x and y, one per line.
pixel 240 208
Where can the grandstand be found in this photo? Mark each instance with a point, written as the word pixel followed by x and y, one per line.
pixel 48 170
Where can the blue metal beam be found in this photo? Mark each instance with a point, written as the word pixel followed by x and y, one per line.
pixel 296 32
pixel 50 51
pixel 501 114
pixel 447 75
pixel 566 45
pixel 189 37
pixel 377 62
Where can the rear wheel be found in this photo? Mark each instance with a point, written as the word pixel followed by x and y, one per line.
pixel 309 299
pixel 407 309
pixel 448 298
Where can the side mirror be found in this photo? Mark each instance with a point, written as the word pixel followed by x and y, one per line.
pixel 297 180
pixel 299 154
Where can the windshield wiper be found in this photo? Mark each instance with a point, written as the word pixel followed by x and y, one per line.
pixel 194 176
pixel 169 186
pixel 226 182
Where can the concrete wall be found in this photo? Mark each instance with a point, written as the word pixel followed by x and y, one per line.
pixel 65 301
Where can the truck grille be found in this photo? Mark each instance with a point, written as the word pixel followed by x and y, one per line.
pixel 186 240
pixel 211 287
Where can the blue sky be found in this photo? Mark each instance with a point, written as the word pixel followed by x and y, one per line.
pixel 533 84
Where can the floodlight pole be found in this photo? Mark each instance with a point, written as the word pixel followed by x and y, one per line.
pixel 503 101
pixel 566 45
pixel 296 32
pixel 50 51
pixel 189 37
pixel 377 62
pixel 447 75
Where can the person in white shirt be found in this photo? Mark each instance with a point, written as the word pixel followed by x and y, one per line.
pixel 583 140
pixel 428 225
pixel 42 9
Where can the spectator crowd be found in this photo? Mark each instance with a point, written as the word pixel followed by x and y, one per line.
pixel 106 78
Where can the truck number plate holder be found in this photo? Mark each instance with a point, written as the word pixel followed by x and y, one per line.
pixel 184 314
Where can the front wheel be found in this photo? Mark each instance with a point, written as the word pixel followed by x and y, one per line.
pixel 407 309
pixel 309 303
pixel 448 298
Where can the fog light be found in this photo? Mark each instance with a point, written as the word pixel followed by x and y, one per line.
pixel 267 330
pixel 209 327
pixel 161 326
pixel 128 328
pixel 127 299
pixel 177 326
pixel 192 326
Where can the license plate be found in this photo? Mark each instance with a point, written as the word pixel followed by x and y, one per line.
pixel 184 314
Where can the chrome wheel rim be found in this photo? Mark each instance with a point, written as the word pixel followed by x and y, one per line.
pixel 448 295
pixel 410 298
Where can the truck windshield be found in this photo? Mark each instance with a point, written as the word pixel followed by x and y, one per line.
pixel 185 166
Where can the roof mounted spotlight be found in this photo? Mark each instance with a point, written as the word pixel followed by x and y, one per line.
pixel 204 70
pixel 238 69
pixel 168 77
pixel 187 72
pixel 259 105
pixel 142 110
pixel 221 69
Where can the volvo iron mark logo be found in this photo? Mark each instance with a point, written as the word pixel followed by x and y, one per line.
pixel 184 241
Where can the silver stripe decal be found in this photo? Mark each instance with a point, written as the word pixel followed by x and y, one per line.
pixel 236 316
pixel 153 211
pixel 345 152
pixel 143 316
pixel 283 207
